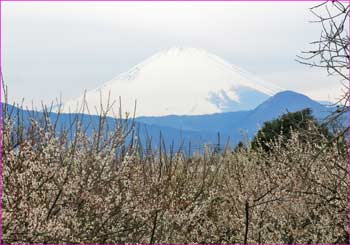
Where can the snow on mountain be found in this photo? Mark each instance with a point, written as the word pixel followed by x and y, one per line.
pixel 181 81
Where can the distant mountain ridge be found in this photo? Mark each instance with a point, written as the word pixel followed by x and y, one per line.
pixel 282 102
pixel 198 130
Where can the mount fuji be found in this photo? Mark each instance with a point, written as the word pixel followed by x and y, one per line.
pixel 179 81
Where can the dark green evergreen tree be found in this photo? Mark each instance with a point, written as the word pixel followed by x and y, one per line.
pixel 284 125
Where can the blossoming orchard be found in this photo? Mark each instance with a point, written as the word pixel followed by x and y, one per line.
pixel 59 189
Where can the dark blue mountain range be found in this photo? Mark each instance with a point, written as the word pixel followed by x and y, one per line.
pixel 196 131
pixel 232 123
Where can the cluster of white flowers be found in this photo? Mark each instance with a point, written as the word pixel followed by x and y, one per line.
pixel 57 190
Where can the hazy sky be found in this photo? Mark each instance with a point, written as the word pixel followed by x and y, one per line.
pixel 53 48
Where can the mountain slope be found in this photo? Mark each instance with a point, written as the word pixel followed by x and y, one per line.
pixel 201 129
pixel 283 102
pixel 145 132
pixel 181 81
pixel 235 124
pixel 202 123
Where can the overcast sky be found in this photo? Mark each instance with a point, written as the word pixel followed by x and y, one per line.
pixel 53 48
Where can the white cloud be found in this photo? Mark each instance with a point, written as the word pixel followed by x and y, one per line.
pixel 313 82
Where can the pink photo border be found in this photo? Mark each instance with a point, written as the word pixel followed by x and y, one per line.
pixel 1 99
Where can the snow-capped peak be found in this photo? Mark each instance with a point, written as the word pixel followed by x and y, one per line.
pixel 182 81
